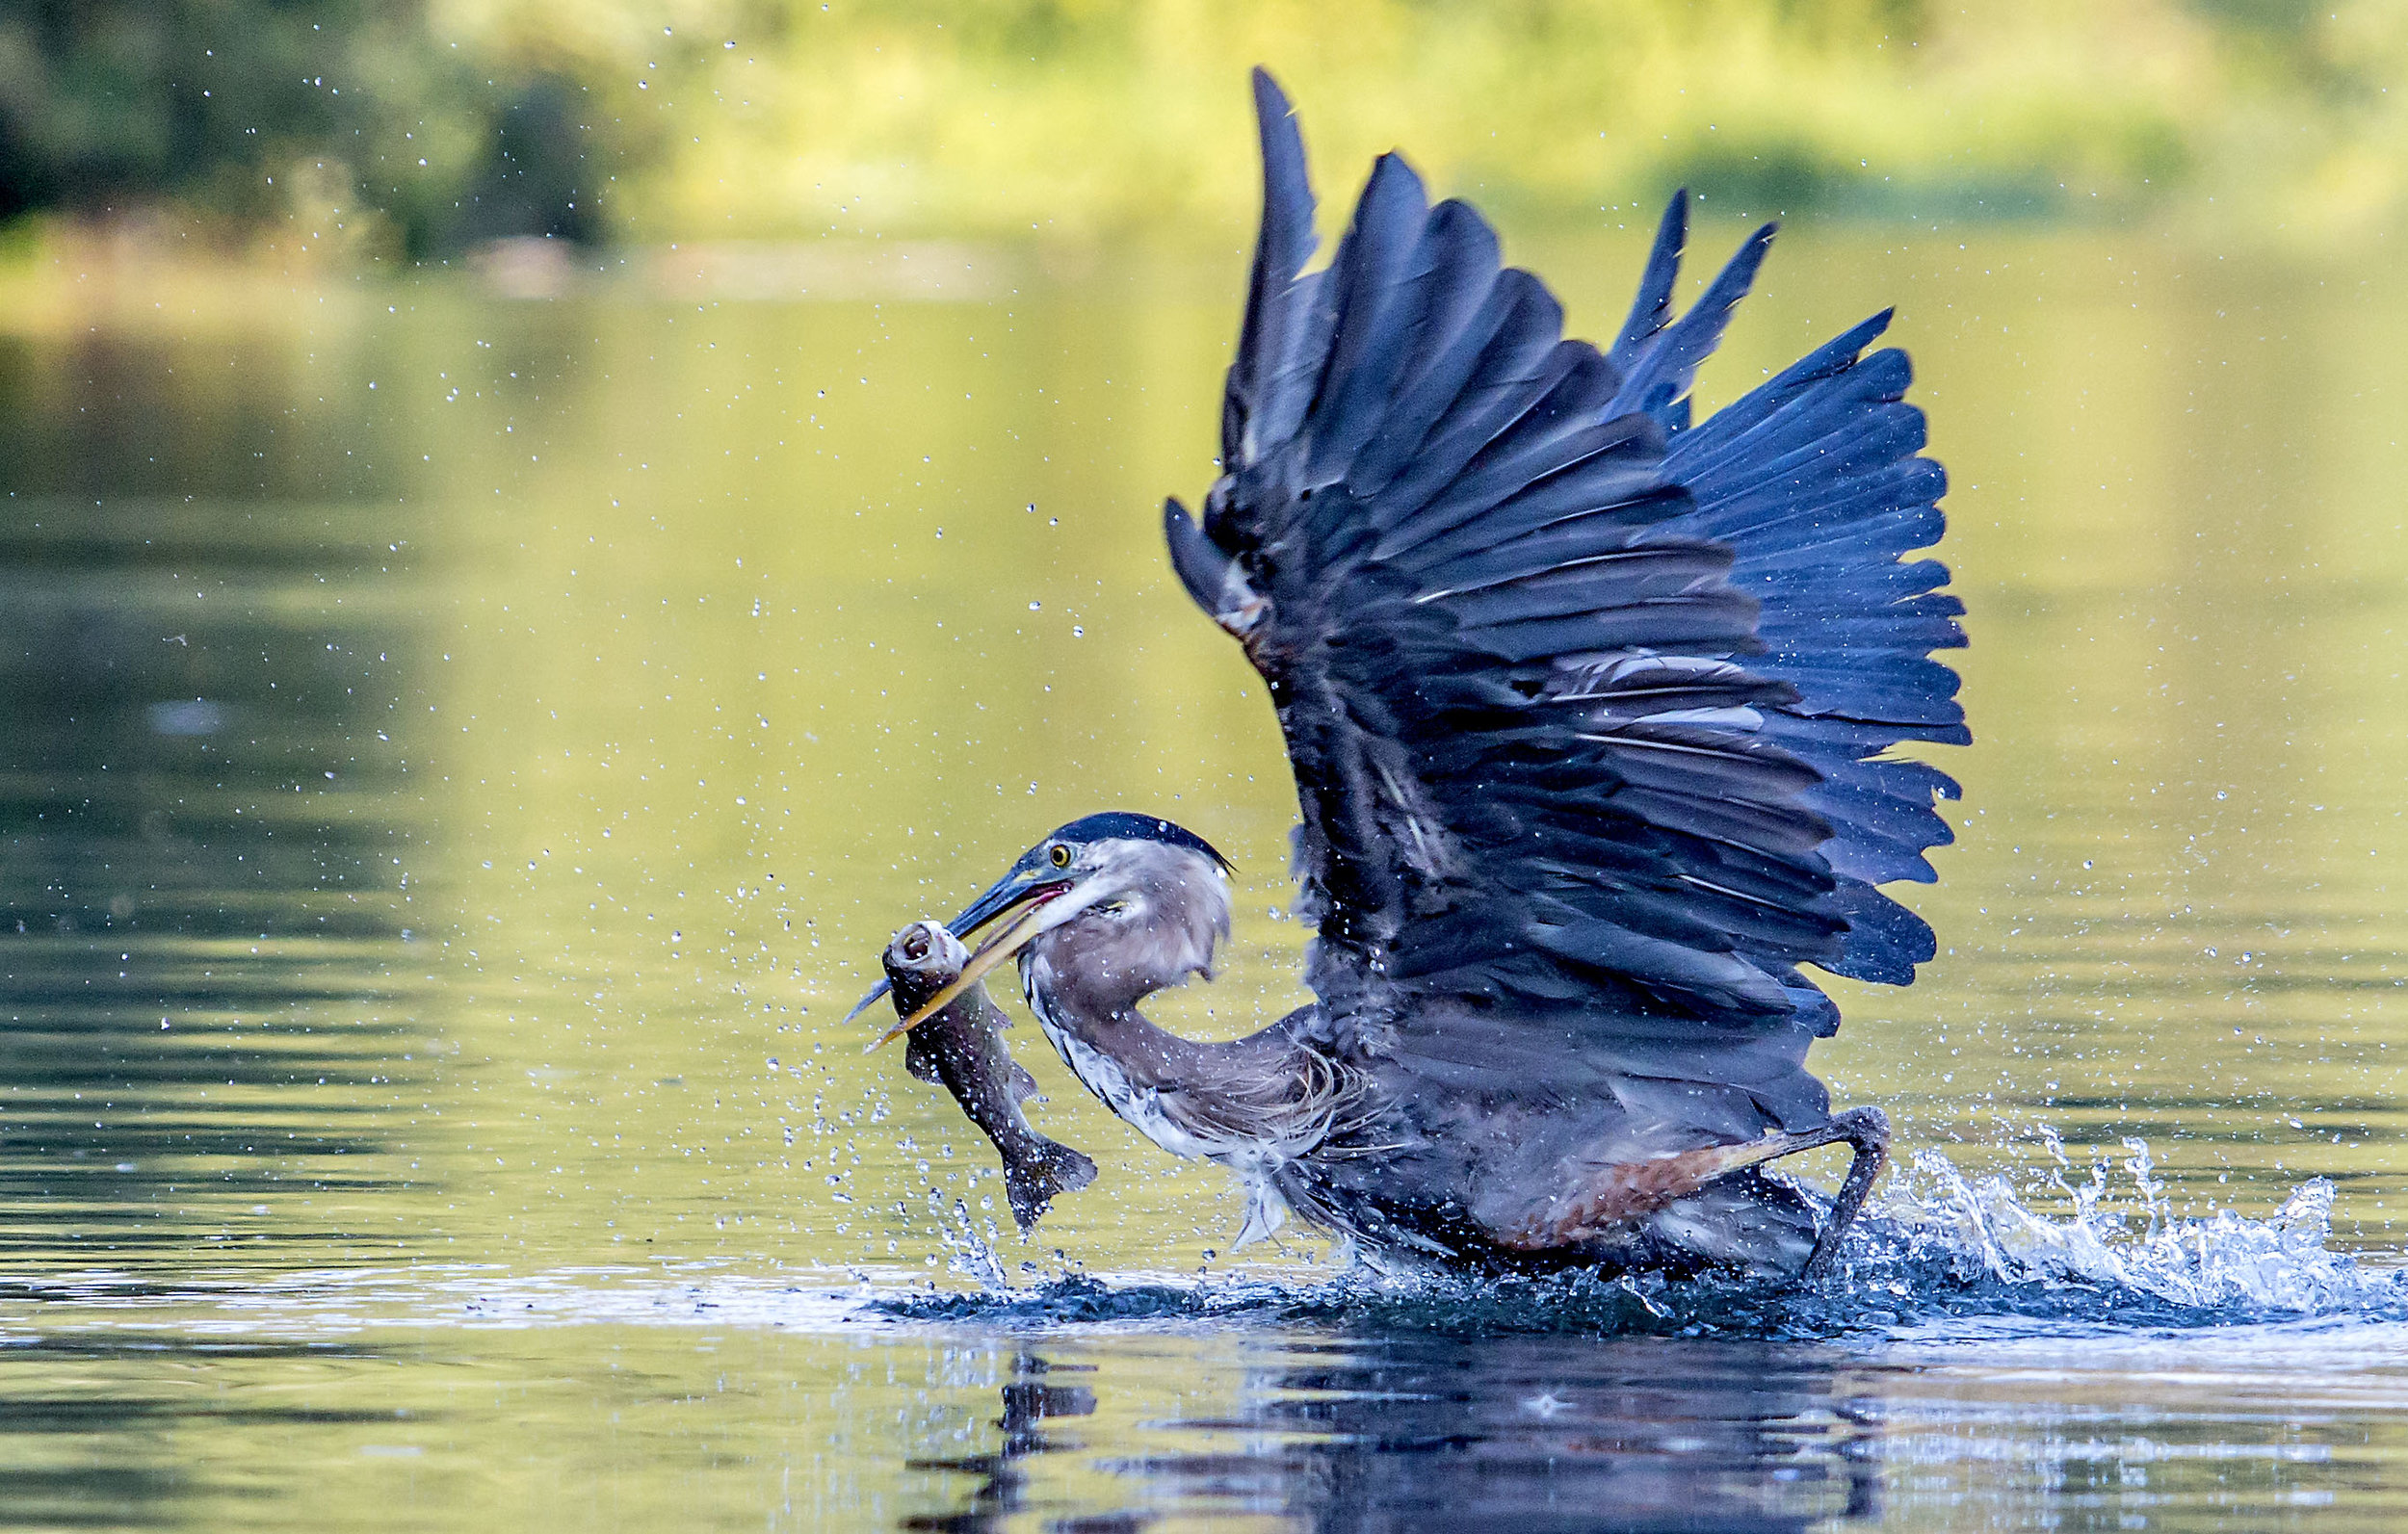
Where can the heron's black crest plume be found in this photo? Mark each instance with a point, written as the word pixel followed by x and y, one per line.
pixel 1124 825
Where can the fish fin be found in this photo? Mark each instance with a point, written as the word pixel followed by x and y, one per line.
pixel 919 1059
pixel 1031 1186
pixel 1023 1084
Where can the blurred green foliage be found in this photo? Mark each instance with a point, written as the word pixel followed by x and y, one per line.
pixel 447 122
pixel 353 114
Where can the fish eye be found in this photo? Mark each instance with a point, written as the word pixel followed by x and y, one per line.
pixel 1060 856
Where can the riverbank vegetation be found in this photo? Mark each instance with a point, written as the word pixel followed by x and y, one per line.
pixel 413 130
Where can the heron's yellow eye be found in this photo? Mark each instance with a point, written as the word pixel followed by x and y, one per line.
pixel 1061 856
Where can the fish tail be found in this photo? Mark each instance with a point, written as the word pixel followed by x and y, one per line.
pixel 1031 1186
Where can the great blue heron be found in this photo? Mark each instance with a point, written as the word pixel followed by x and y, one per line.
pixel 1590 709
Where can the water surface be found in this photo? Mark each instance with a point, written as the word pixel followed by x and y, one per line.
pixel 463 755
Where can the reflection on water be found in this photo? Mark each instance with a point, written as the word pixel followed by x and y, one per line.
pixel 1520 1433
pixel 209 828
pixel 735 1405
pixel 88 1439
pixel 460 758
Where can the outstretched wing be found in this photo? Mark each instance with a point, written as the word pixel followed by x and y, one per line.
pixel 1587 706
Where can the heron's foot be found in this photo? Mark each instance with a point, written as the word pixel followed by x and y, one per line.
pixel 1629 1190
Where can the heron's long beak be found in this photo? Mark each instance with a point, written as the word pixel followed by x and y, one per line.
pixel 1019 885
pixel 993 951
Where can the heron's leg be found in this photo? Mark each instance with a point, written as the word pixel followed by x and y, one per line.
pixel 1626 1190
pixel 1867 1130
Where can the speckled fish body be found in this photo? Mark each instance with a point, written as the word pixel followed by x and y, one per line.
pixel 962 1050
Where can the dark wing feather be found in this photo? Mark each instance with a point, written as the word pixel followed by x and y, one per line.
pixel 1815 481
pixel 1587 707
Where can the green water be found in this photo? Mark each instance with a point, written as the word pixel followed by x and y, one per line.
pixel 463 755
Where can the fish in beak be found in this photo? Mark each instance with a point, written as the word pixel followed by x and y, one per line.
pixel 1049 884
pixel 1030 893
pixel 1033 919
pixel 962 1049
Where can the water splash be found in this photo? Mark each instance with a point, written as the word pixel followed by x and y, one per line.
pixel 1941 1247
pixel 1944 1258
pixel 1989 1236
pixel 969 1241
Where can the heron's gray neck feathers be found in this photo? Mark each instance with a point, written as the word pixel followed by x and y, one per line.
pixel 1252 1105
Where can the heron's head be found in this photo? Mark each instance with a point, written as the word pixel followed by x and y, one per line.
pixel 1118 904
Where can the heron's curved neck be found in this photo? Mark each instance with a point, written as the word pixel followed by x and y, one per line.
pixel 1147 1055
pixel 1120 1055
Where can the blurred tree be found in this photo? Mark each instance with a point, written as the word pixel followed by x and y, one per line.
pixel 420 125
pixel 247 109
pixel 541 177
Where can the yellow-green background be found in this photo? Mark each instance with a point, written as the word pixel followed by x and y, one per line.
pixel 711 615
